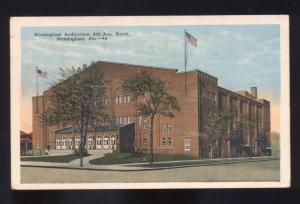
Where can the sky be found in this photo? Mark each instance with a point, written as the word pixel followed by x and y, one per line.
pixel 240 56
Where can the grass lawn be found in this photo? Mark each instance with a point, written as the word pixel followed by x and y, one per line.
pixel 126 158
pixel 58 159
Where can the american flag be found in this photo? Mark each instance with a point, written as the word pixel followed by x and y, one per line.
pixel 41 74
pixel 191 39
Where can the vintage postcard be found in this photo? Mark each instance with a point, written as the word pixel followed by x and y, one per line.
pixel 150 102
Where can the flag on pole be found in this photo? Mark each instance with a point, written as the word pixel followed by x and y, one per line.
pixel 190 39
pixel 41 74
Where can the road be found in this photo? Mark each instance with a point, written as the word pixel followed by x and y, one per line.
pixel 250 171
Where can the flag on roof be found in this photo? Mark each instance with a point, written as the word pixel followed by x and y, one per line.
pixel 190 39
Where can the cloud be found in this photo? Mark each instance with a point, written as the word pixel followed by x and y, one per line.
pixel 236 36
pixel 42 48
pixel 264 48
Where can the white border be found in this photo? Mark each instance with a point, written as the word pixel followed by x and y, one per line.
pixel 15 40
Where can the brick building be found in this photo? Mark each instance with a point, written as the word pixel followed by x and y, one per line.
pixel 184 134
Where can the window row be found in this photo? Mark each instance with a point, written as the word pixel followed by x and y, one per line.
pixel 143 123
pixel 122 99
pixel 122 120
pixel 92 143
pixel 101 122
pixel 212 96
pixel 102 101
pixel 166 141
pixel 166 128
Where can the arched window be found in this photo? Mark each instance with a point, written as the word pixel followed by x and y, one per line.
pixel 99 142
pixel 106 142
pixel 70 143
pixel 58 143
pixel 90 143
pixel 113 142
pixel 64 143
pixel 77 142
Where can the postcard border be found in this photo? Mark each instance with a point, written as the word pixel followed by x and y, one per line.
pixel 16 23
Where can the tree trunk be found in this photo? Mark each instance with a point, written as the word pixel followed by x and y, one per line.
pixel 221 147
pixel 80 148
pixel 151 142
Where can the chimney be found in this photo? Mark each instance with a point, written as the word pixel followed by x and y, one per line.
pixel 253 91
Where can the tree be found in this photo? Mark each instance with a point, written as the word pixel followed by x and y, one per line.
pixel 156 99
pixel 248 124
pixel 77 100
pixel 218 128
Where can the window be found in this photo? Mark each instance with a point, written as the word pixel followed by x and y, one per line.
pixel 145 141
pixel 163 141
pixel 105 101
pixel 51 133
pixel 128 99
pixel 169 128
pixel 120 99
pixel 112 140
pixel 117 101
pixel 105 142
pixel 121 120
pixel 140 120
pixel 125 120
pixel 128 119
pixel 187 144
pixel 169 140
pixel 215 97
pixel 145 123
pixel 164 128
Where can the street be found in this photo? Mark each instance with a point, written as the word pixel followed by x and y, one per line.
pixel 249 171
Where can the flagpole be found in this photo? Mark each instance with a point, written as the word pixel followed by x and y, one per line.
pixel 37 90
pixel 185 62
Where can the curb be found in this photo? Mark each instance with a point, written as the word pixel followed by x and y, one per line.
pixel 152 168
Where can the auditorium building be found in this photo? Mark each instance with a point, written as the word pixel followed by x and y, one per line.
pixel 184 134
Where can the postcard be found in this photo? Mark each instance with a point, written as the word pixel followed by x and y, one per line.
pixel 150 102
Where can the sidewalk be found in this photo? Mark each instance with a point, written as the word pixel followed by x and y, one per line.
pixel 87 159
pixel 144 166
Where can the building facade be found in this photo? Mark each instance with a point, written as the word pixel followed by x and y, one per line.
pixel 184 134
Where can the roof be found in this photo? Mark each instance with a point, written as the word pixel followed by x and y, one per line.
pixel 241 96
pixel 198 70
pixel 137 65
pixel 90 129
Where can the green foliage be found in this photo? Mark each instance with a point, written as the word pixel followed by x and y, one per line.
pixel 248 122
pixel 218 124
pixel 74 98
pixel 218 127
pixel 275 142
pixel 127 158
pixel 56 159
